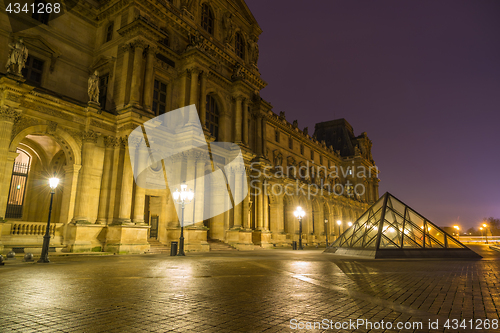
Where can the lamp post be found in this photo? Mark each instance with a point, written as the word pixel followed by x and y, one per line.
pixel 485 226
pixel 458 230
pixel 44 258
pixel 326 231
pixel 300 213
pixel 349 224
pixel 182 198
pixel 339 223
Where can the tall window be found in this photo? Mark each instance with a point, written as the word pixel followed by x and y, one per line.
pixel 320 159
pixel 18 185
pixel 239 46
pixel 277 136
pixel 290 143
pixel 212 116
pixel 312 154
pixel 33 70
pixel 109 32
pixel 159 98
pixel 302 149
pixel 207 19
pixel 40 14
pixel 103 90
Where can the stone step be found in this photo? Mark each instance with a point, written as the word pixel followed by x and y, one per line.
pixel 217 245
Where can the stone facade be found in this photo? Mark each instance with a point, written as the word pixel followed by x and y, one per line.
pixel 153 57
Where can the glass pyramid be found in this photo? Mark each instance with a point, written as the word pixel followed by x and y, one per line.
pixel 391 229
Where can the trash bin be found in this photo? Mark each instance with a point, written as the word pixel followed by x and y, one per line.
pixel 294 245
pixel 173 248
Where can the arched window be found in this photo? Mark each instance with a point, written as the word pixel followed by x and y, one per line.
pixel 212 116
pixel 18 183
pixel 239 46
pixel 207 19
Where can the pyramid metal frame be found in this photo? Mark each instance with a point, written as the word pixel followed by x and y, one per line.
pixel 392 229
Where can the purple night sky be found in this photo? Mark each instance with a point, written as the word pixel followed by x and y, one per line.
pixel 422 78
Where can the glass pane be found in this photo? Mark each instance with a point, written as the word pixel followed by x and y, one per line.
pixel 385 243
pixel 413 234
pixel 453 244
pixel 397 205
pixel 392 232
pixel 413 217
pixel 437 234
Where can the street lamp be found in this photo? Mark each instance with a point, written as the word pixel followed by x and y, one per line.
pixel 326 231
pixel 458 230
pixel 44 258
pixel 339 223
pixel 485 232
pixel 481 228
pixel 300 213
pixel 182 198
pixel 349 224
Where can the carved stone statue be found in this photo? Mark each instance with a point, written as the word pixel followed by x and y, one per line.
pixel 186 4
pixel 228 27
pixel 278 158
pixel 196 41
pixel 282 114
pixel 254 52
pixel 306 131
pixel 238 73
pixel 17 57
pixel 295 123
pixel 94 87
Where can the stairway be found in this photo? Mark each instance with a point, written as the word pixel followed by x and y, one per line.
pixel 156 247
pixel 217 245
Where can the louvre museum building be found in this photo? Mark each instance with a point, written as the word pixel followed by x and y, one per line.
pixel 74 85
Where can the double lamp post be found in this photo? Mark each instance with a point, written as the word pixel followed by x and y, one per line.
pixel 182 198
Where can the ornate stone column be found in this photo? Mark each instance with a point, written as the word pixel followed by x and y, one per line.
pixel 89 139
pixel 259 135
pixel 265 210
pixel 127 58
pixel 70 187
pixel 238 187
pixel 8 116
pixel 135 90
pixel 260 205
pixel 140 192
pixel 246 208
pixel 264 135
pixel 190 158
pixel 237 119
pixel 232 212
pixel 183 89
pixel 193 94
pixel 245 121
pixel 110 143
pixel 203 98
pixel 199 189
pixel 125 205
pixel 149 78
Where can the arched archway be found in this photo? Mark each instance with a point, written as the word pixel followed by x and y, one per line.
pixel 50 152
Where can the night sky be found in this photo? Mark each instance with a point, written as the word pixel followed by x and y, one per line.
pixel 422 78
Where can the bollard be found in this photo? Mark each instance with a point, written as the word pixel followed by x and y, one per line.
pixel 28 257
pixel 1 260
pixel 173 248
pixel 11 255
pixel 294 245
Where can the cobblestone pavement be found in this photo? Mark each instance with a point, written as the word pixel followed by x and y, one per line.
pixel 260 291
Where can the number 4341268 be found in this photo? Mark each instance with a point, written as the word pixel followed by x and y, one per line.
pixel 34 8
pixel 478 324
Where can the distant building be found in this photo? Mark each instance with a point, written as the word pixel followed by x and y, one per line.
pixel 153 57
